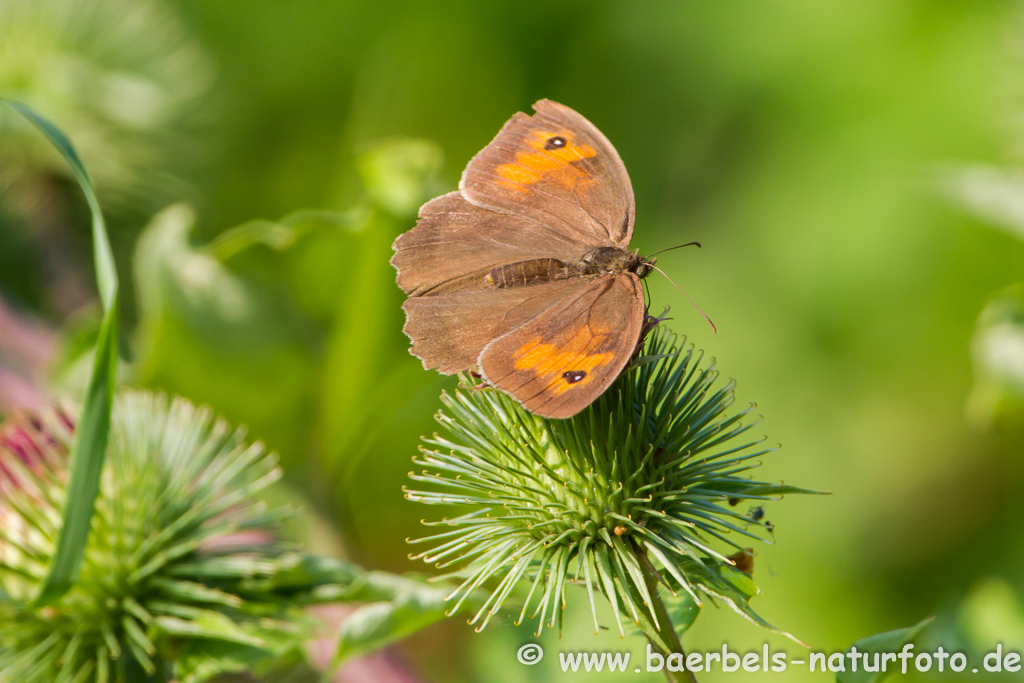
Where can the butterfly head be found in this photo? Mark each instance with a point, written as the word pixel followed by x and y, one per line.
pixel 643 265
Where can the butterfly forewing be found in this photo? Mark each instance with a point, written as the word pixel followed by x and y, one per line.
pixel 558 169
pixel 456 244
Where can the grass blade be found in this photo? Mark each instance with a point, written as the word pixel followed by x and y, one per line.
pixel 90 442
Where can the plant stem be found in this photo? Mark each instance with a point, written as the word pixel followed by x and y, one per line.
pixel 667 634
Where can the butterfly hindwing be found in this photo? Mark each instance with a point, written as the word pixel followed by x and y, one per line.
pixel 450 330
pixel 559 362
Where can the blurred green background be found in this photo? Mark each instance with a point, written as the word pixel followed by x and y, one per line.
pixel 807 145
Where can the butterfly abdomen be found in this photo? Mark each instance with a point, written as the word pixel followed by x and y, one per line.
pixel 529 272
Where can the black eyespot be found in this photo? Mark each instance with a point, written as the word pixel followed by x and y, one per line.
pixel 556 142
pixel 573 376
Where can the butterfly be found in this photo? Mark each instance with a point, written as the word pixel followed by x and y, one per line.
pixel 524 275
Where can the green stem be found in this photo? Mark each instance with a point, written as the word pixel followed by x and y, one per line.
pixel 667 634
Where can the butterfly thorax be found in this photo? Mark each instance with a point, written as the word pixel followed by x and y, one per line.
pixel 613 260
pixel 599 261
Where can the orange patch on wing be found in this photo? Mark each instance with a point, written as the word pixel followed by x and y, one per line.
pixel 556 164
pixel 574 356
pixel 517 177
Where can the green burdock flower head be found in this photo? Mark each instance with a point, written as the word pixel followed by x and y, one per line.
pixel 649 485
pixel 182 576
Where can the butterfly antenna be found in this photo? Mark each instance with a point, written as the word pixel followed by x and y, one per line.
pixel 678 246
pixel 713 328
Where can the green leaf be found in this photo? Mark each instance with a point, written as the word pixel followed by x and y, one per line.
pixel 90 441
pixel 683 611
pixel 377 586
pixel 208 624
pixel 743 583
pixel 203 660
pixel 767 489
pixel 890 641
pixel 379 624
pixel 732 587
pixel 324 579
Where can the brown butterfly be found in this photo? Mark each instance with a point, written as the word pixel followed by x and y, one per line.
pixel 523 274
